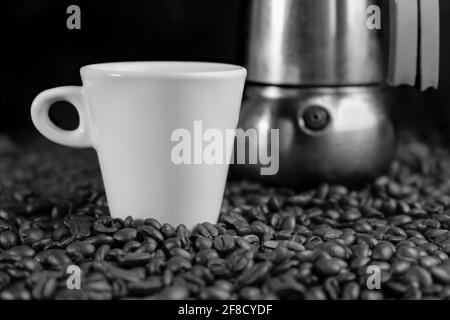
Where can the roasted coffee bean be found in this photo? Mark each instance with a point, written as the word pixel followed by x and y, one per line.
pixel 125 235
pixel 224 285
pixel 174 293
pixel 383 251
pixel 44 288
pixel 99 290
pixel 29 264
pixel 102 228
pixel 441 274
pixel 331 288
pixel 255 274
pixel 359 262
pixel 286 287
pixel 274 204
pixel 32 235
pixel 369 240
pixel 149 286
pixel 329 267
pixel 80 226
pixel 55 258
pixel 114 272
pixel 207 230
pixel 261 229
pixel 153 222
pixel 176 264
pixel 345 277
pixel 102 252
pixel 320 254
pixel 335 250
pixel 441 255
pixel 133 259
pixel 254 213
pixel 180 252
pixel 166 229
pixel 167 277
pixel 214 293
pixel 172 243
pixel 271 244
pixel 361 250
pixel 351 215
pixel 240 260
pixel 80 249
pixel 351 291
pixel 218 268
pixel 382 265
pixel 332 234
pixel 252 239
pixel 408 253
pixel 315 293
pixel 348 238
pixel 288 223
pixel 313 243
pixel 202 243
pixel 428 261
pixel 183 235
pixel 160 254
pixel 156 265
pixel 100 240
pixel 7 214
pixel 237 223
pixel 4 280
pixel 204 255
pixel 371 295
pixel 332 214
pixel 224 243
pixel 293 246
pixel 22 251
pixel 4 226
pixel 61 233
pixel 242 243
pixel 400 220
pixel 250 293
pixel 150 232
pixel 418 277
pixel 8 239
pixel 129 222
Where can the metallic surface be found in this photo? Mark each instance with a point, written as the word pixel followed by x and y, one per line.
pixel 358 143
pixel 313 42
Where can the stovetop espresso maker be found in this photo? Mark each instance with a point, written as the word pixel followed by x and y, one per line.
pixel 317 72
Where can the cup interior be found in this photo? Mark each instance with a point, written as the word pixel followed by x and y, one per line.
pixel 162 68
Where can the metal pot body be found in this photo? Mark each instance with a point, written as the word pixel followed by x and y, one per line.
pixel 313 43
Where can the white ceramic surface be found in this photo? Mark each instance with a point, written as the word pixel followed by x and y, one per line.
pixel 128 111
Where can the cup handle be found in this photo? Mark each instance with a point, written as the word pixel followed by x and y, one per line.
pixel 80 137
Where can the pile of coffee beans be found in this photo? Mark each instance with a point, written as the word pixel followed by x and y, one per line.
pixel 389 240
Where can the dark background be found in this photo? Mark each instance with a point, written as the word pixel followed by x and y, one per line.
pixel 39 52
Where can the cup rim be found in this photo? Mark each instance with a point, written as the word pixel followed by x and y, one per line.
pixel 166 69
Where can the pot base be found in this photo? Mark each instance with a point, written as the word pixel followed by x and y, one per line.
pixel 339 135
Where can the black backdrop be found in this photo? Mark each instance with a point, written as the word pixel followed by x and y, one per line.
pixel 39 52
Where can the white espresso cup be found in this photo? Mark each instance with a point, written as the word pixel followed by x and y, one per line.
pixel 128 112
